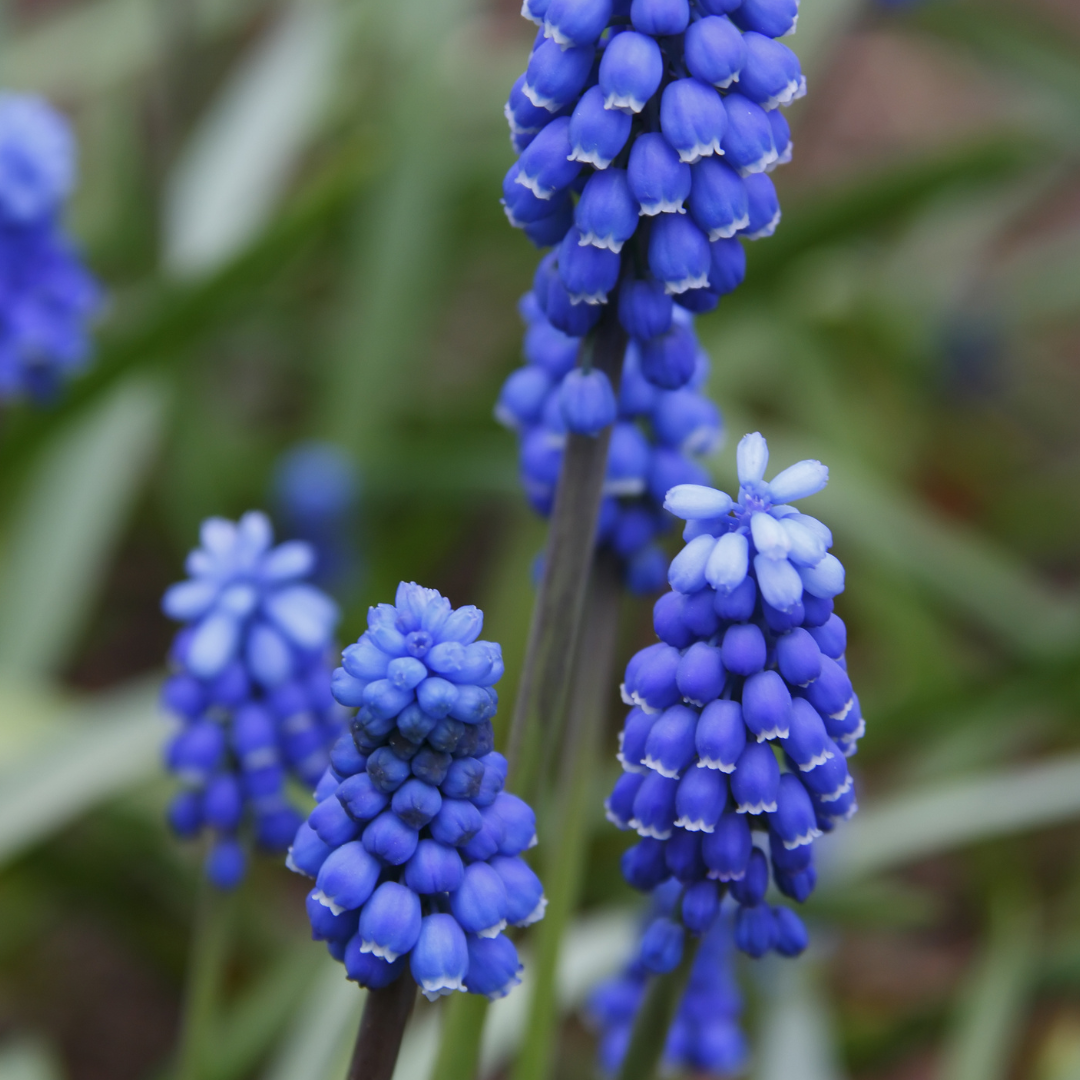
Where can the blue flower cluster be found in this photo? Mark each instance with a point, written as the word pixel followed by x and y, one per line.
pixel 705 1037
pixel 646 131
pixel 414 846
pixel 743 713
pixel 251 684
pixel 657 435
pixel 46 295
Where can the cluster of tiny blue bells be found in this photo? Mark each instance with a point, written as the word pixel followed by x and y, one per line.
pixel 743 715
pixel 46 294
pixel 704 1037
pixel 657 437
pixel 250 681
pixel 414 845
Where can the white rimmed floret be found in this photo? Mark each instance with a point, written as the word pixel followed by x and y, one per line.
pixel 261 758
pixel 807 837
pixel 693 154
pixel 557 36
pixel 794 26
pixel 536 914
pixel 589 157
pixel 527 13
pixel 515 127
pixel 694 825
pixel 658 766
pixel 844 711
pixel 784 158
pixel 816 760
pixel 593 299
pixel 335 909
pixel 290 865
pixel 795 89
pixel 627 699
pixel 590 239
pixel 655 831
pixel 614 818
pixel 662 206
pixel 433 989
pixel 630 766
pixel 716 763
pixel 773 733
pixel 723 232
pixel 757 808
pixel 721 875
pixel 763 163
pixel 843 789
pixel 383 951
pixel 533 184
pixel 766 230
pixel 676 288
pixel 551 104
pixel 492 931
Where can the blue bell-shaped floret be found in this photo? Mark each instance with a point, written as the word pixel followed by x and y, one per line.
pixel 700 800
pixel 589 273
pixel 660 18
pixel 494 967
pixel 766 704
pixel 748 142
pixel 781 138
pixel 576 22
pixel 793 822
pixel 573 319
pixel 597 134
pixel 688 421
pixel 679 254
pixel 771 74
pixel 658 178
pixel 773 18
pixel 654 806
pixel 727 260
pixel 693 119
pixel 645 309
pixel 756 780
pixel 701 676
pixel 727 849
pixel 662 944
pixel 440 959
pixel 755 932
pixel 718 200
pixel 789 935
pixel 630 72
pixel 550 349
pixel 668 361
pixel 764 207
pixel 390 921
pixel 545 167
pixel 556 76
pixel 715 51
pixel 607 212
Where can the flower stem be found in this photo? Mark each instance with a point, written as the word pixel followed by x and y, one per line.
pixel 565 855
pixel 553 635
pixel 463 1017
pixel 378 1041
pixel 209 953
pixel 655 1016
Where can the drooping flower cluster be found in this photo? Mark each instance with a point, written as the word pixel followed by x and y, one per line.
pixel 705 1037
pixel 743 713
pixel 657 435
pixel 251 685
pixel 414 846
pixel 316 491
pixel 46 294
pixel 646 130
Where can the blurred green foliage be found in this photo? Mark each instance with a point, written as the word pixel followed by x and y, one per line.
pixel 915 323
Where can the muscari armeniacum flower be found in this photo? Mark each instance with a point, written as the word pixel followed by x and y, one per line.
pixel 659 434
pixel 46 294
pixel 414 846
pixel 743 716
pixel 704 1037
pixel 645 132
pixel 251 687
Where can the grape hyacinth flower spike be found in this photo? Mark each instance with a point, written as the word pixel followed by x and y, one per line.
pixel 251 687
pixel 46 294
pixel 414 846
pixel 704 1037
pixel 742 715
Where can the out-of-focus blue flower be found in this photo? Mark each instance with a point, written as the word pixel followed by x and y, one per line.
pixel 704 1037
pixel 316 494
pixel 46 294
pixel 657 437
pixel 743 714
pixel 251 687
pixel 414 846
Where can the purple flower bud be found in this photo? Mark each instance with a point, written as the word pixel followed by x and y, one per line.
pixel 773 18
pixel 701 676
pixel 771 75
pixel 644 308
pixel 225 864
pixel 700 906
pixel 700 800
pixel 521 114
pixel 325 925
pixel 434 868
pixel 669 748
pixel 456 823
pixel 196 752
pixel 807 743
pixel 793 822
pixel 726 850
pixel 390 921
pixel 748 143
pixel 630 72
pixel 798 657
pixel 643 865
pixel 185 814
pixel 654 806
pixel 766 706
pixel 223 804
pixel 750 889
pixel 634 736
pixel 659 180
pixel 333 824
pixel 755 931
pixel 544 168
pixel 440 959
pixel 551 349
pixel 781 134
pixel 628 461
pixel 589 273
pixel 519 823
pixel 693 119
pixel 743 649
pixel 830 635
pixel 715 51
pixel 824 580
pixel 347 877
pixel 555 76
pixel 307 853
pixel 655 685
pixel 764 207
pixel 607 212
pixel 416 803
pixel 597 134
pixel 387 771
pixel 389 838
pixel 718 199
pixel 525 894
pixel 576 22
pixel 660 18
pixel 573 319
pixel 678 253
pixel 790 937
pixel 831 693
pixel 549 231
pixel 798 886
pixel 587 401
pixel 683 856
pixel 662 942
pixel 668 361
pixel 727 262
pixel 480 903
pixel 619 806
pixel 756 779
pixel 494 968
pixel 720 736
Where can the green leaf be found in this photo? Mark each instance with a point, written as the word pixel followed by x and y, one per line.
pixel 63 531
pixel 87 754
pixel 929 820
pixel 990 1018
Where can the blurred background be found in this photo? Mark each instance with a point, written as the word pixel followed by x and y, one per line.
pixel 294 208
